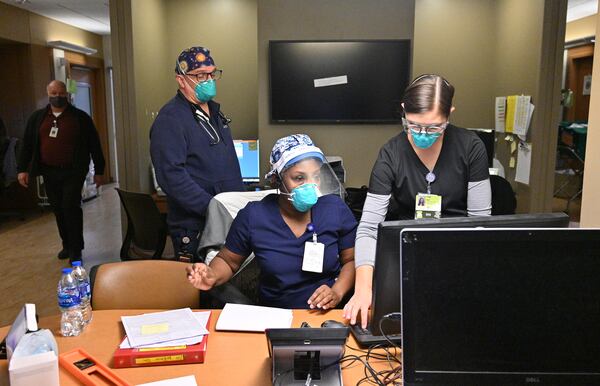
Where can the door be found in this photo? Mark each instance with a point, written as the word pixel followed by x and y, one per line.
pixel 89 99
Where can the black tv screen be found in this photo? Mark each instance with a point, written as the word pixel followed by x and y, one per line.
pixel 338 81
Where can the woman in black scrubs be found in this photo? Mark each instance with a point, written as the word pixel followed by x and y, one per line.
pixel 432 169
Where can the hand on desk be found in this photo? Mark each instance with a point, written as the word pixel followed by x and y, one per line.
pixel 201 276
pixel 358 303
pixel 324 297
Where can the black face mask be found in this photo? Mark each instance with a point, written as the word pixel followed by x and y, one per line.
pixel 58 101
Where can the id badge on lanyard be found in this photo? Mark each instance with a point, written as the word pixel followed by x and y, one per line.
pixel 53 130
pixel 428 205
pixel 314 253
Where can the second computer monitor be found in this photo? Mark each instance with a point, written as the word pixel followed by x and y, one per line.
pixel 247 151
pixel 386 286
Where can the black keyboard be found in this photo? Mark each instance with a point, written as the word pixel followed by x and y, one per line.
pixel 365 338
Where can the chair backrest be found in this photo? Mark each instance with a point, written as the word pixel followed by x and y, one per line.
pixel 146 226
pixel 142 284
pixel 504 200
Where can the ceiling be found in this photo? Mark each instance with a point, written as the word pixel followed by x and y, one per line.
pixel 578 9
pixel 93 15
pixel 89 15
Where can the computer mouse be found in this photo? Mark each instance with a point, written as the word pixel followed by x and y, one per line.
pixel 333 324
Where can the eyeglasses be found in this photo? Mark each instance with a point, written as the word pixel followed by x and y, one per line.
pixel 203 76
pixel 429 129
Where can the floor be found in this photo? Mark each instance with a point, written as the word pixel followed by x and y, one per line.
pixel 30 269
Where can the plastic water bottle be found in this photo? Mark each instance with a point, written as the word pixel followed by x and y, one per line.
pixel 71 321
pixel 84 291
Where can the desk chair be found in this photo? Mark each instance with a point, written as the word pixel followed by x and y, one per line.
pixel 146 227
pixel 142 284
pixel 570 166
pixel 504 200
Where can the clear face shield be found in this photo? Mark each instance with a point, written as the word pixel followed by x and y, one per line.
pixel 310 171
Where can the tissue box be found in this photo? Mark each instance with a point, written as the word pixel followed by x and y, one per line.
pixel 38 369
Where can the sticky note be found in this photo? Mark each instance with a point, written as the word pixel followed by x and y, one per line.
pixel 153 329
pixel 511 164
pixel 513 147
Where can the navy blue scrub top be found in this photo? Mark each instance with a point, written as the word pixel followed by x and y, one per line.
pixel 260 228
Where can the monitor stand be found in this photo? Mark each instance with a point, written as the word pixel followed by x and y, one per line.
pixel 365 338
pixel 309 365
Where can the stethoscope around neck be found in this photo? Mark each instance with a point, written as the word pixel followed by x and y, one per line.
pixel 204 122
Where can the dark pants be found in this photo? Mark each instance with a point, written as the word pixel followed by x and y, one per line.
pixel 63 187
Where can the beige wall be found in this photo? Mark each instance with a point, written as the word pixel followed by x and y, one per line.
pixel 26 27
pixel 590 205
pixel 153 87
pixel 454 38
pixel 334 19
pixel 14 23
pixel 229 31
pixel 581 28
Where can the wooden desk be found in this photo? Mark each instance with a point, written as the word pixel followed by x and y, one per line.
pixel 232 358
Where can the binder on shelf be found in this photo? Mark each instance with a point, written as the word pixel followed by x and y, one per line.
pixel 158 356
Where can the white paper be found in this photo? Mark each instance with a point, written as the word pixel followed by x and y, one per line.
pixel 160 327
pixel 241 317
pixel 202 317
pixel 500 113
pixel 522 115
pixel 523 163
pixel 331 81
pixel 190 380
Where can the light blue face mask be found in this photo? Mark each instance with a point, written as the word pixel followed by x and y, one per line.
pixel 424 140
pixel 304 197
pixel 206 90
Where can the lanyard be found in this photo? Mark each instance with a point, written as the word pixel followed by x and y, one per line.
pixel 429 177
pixel 311 228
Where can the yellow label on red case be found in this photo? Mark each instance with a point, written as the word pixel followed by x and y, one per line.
pixel 166 358
pixel 162 348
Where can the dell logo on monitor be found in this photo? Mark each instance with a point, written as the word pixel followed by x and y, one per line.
pixel 532 380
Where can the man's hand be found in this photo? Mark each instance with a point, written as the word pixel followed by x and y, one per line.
pixel 324 297
pixel 360 302
pixel 23 179
pixel 201 276
pixel 98 181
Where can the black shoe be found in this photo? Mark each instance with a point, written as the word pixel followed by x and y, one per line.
pixel 63 254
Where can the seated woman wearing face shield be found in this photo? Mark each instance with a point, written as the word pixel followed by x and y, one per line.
pixel 302 237
pixel 431 169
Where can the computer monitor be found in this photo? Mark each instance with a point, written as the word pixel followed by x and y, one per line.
pixel 386 287
pixel 500 307
pixel 249 158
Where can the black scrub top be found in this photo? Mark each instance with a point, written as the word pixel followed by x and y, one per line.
pixel 399 171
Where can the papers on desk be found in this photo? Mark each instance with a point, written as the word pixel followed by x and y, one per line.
pixel 161 327
pixel 202 318
pixel 240 317
pixel 190 380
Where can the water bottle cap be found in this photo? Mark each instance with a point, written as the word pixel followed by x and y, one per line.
pixel 67 270
pixel 76 263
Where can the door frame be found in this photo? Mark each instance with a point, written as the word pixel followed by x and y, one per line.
pixel 96 65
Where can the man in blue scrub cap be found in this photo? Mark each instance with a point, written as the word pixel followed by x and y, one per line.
pixel 192 150
pixel 302 236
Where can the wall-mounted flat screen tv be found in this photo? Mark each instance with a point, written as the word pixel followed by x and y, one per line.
pixel 358 81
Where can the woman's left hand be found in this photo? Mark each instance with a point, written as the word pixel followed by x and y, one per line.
pixel 324 297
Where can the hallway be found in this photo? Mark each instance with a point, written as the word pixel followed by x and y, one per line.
pixel 30 268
